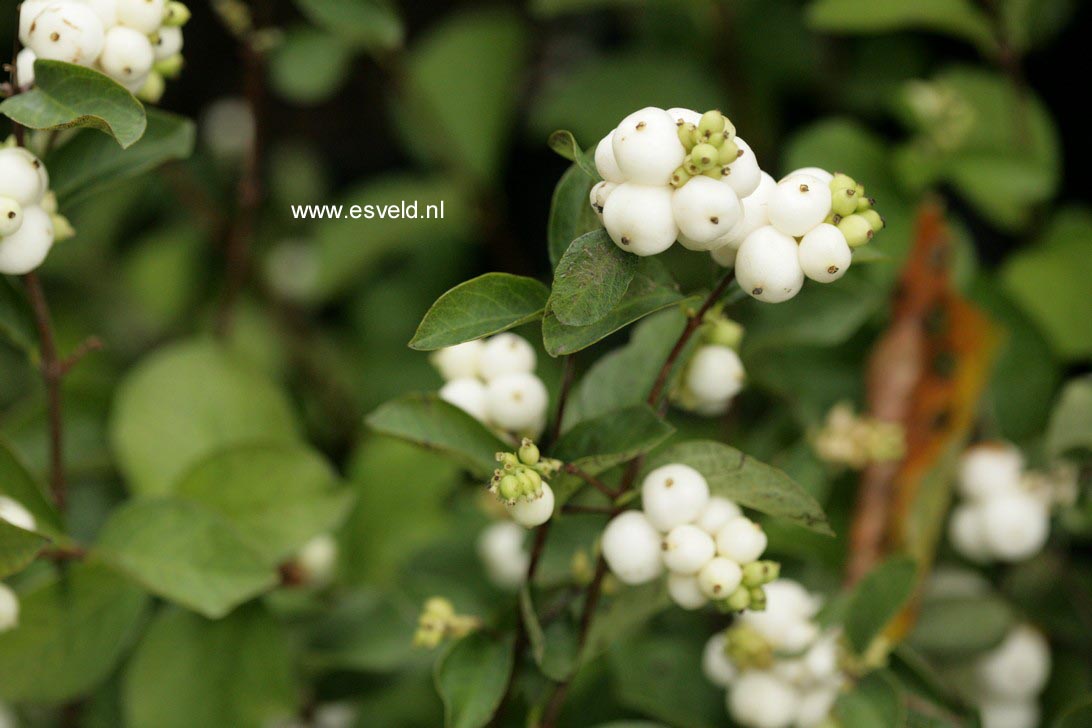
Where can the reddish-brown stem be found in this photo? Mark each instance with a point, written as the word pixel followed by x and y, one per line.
pixel 568 375
pixel 589 510
pixel 52 374
pixel 591 480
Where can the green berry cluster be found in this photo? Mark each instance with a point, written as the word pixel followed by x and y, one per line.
pixel 750 594
pixel 719 330
pixel 852 211
pixel 710 146
pixel 521 473
pixel 747 649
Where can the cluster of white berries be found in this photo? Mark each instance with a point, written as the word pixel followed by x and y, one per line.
pixel 779 668
pixel 680 175
pixel 17 515
pixel 1010 677
pixel 503 553
pixel 138 43
pixel 29 222
pixel 1003 516
pixel 715 374
pixel 709 548
pixel 520 483
pixel 493 381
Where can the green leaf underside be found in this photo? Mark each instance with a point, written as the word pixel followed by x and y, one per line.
pixel 564 143
pixel 959 18
pixel 428 421
pixel 471 679
pixel 591 278
pixel 748 482
pixel 18 548
pixel 877 598
pixel 67 96
pixel 571 215
pixel 482 306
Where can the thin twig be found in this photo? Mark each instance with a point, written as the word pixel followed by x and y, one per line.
pixel 568 375
pixel 588 510
pixel 591 480
pixel 87 346
pixel 52 374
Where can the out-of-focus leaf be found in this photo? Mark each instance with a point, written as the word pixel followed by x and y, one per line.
pixel 1049 281
pixel 873 703
pixel 471 679
pixel 571 214
pixel 17 548
pixel 17 321
pixel 1076 716
pixel 434 424
pixel 483 306
pixel 959 18
pixel 276 496
pixel 1071 423
pixel 67 96
pixel 824 316
pixel 185 402
pixel 590 280
pixel 650 290
pixel 364 632
pixel 72 632
pixel 1031 23
pixel 459 89
pixel 17 483
pixel 189 671
pixel 371 25
pixel 877 599
pixel 552 8
pixel 748 482
pixel 955 627
pixel 184 553
pixel 309 65
pixel 625 613
pixel 163 274
pixel 655 676
pixel 89 161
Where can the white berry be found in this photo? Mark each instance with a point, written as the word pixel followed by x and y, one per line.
pixel 459 361
pixel 639 218
pixel 741 540
pixel 1018 667
pixel 1015 526
pixel 167 43
pixel 67 32
pixel 27 248
pixel 798 204
pixel 761 700
pixel 24 67
pixel 815 707
pixel 673 495
pixel 599 194
pixel 534 512
pixel 717 512
pixel 716 665
pixel 646 146
pixel 517 403
pixel 685 592
pixel 967 533
pixel 684 116
pixel 744 175
pixel 754 216
pixel 715 374
pixel 719 578
pixel 127 55
pixel 28 13
pixel 318 558
pixel 506 354
pixel 145 16
pixel 11 216
pixel 468 395
pixel 9 609
pixel 705 210
pixel 990 469
pixel 817 172
pixel 687 549
pixel 725 255
pixel 500 547
pixel 605 162
pixel 23 177
pixel 1003 713
pixel 768 266
pixel 631 548
pixel 16 514
pixel 107 10
pixel 824 254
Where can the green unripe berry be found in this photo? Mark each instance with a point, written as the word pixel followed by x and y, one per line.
pixel 865 203
pixel 509 487
pixel 874 219
pixel 857 230
pixel 507 460
pixel 843 201
pixel 758 573
pixel 758 599
pixel 728 152
pixel 690 168
pixel 714 172
pixel 177 15
pixel 724 332
pixel 530 481
pixel 528 452
pixel 704 156
pixel 153 89
pixel 679 177
pixel 738 600
pixel 712 122
pixel 842 181
pixel 860 191
pixel 687 132
pixel 170 67
pixel 717 140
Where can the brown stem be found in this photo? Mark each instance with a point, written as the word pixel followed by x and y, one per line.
pixel 591 480
pixel 52 373
pixel 589 510
pixel 87 346
pixel 568 375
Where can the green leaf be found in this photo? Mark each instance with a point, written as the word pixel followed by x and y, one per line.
pixel 960 626
pixel 571 215
pixel 873 703
pixel 748 482
pixel 631 609
pixel 184 553
pixel 199 398
pixel 1049 281
pixel 1071 423
pixel 591 278
pixel 483 306
pixel 432 423
pixel 365 632
pixel 824 316
pixel 471 679
pixel 459 100
pixel 73 629
pixel 88 162
pixel 371 25
pixel 877 598
pixel 18 548
pixel 67 96
pixel 189 671
pixel 655 675
pixel 1031 23
pixel 959 18
pixel 648 292
pixel 599 444
pixel 16 319
pixel 16 482
pixel 564 143
pixel 276 496
pixel 1077 715
pixel 309 66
